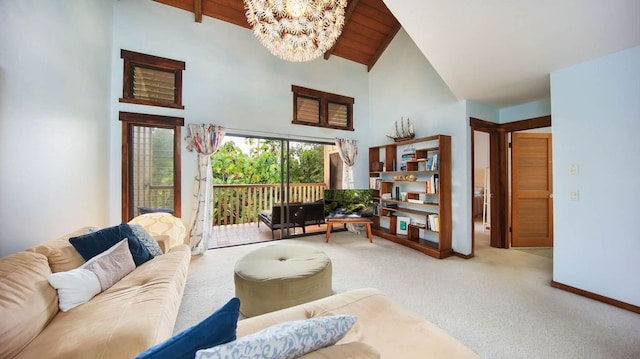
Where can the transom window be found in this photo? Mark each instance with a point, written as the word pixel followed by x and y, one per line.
pixel 151 80
pixel 318 108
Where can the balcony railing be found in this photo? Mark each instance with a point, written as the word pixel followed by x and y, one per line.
pixel 242 203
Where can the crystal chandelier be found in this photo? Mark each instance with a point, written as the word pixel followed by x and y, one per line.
pixel 296 30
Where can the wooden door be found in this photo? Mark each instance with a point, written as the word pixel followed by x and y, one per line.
pixel 532 202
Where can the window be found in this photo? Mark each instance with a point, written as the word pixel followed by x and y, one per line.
pixel 317 108
pixel 151 80
pixel 150 164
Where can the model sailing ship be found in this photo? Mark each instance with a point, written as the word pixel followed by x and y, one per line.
pixel 405 132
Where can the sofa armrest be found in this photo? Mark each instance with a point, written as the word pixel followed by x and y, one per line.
pixel 382 323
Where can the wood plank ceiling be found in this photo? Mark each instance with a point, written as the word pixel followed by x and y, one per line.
pixel 369 25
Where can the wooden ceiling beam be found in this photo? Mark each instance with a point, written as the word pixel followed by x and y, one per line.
pixel 383 46
pixel 197 10
pixel 347 16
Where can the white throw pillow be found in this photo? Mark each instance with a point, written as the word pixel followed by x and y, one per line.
pixel 285 340
pixel 74 287
pixel 79 285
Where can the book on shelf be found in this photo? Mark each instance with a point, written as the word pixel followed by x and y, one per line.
pixel 432 184
pixel 432 162
pixel 374 182
pixel 433 223
pixel 411 200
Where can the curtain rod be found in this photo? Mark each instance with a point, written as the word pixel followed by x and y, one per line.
pixel 239 131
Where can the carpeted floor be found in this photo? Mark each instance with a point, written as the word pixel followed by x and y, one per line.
pixel 499 303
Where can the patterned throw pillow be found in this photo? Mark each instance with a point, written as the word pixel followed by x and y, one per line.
pixel 284 341
pixel 146 239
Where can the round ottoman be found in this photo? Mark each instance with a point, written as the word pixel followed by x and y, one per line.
pixel 281 276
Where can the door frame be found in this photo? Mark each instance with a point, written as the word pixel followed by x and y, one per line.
pixel 499 173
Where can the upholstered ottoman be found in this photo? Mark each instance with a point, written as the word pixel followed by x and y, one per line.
pixel 281 276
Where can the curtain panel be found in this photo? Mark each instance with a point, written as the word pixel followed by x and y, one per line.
pixel 204 139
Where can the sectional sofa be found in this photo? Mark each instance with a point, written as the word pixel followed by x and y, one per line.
pixel 133 314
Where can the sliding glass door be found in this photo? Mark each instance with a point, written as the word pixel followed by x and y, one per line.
pixel 272 181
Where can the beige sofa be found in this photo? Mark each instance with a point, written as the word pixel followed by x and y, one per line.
pixel 135 313
pixel 384 329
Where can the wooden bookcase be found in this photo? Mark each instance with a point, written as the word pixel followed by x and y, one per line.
pixel 412 185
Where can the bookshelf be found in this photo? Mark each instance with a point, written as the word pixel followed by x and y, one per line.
pixel 411 181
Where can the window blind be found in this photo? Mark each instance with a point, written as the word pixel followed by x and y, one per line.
pixel 155 85
pixel 338 114
pixel 308 110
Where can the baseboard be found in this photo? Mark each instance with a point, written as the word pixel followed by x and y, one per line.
pixel 465 256
pixel 598 297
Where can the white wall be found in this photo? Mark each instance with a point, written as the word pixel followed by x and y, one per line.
pixel 404 84
pixel 54 112
pixel 596 114
pixel 230 80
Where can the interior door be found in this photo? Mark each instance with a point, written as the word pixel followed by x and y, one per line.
pixel 532 200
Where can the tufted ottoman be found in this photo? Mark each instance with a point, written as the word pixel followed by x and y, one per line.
pixel 281 276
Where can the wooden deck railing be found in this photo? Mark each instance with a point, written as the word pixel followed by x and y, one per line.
pixel 241 203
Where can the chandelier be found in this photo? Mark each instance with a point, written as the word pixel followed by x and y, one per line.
pixel 296 30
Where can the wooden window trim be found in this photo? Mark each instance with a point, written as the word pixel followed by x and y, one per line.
pixel 325 98
pixel 132 59
pixel 130 119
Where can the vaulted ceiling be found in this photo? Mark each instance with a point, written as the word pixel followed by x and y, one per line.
pixel 368 30
pixel 495 52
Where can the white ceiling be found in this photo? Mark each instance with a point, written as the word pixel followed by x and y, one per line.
pixel 501 52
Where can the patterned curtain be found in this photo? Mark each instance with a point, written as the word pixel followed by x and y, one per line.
pixel 348 151
pixel 204 139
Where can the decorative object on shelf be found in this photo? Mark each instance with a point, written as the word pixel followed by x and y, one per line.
pixel 402 225
pixel 404 132
pixel 296 30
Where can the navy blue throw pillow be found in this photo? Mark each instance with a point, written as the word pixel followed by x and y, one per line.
pixel 94 243
pixel 219 328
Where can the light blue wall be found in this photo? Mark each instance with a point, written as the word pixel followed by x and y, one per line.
pixel 230 80
pixel 404 84
pixel 596 122
pixel 54 113
pixel 483 112
pixel 525 111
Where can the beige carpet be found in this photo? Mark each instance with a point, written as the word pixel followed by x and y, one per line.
pixel 498 303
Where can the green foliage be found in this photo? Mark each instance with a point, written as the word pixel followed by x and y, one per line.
pixel 262 163
pixel 162 155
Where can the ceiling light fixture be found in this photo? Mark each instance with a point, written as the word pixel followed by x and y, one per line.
pixel 296 30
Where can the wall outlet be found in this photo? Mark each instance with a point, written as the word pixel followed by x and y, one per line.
pixel 574 196
pixel 574 170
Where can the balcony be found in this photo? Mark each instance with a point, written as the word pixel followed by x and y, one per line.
pixel 236 208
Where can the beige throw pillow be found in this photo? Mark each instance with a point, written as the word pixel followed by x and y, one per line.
pixel 78 286
pixel 112 265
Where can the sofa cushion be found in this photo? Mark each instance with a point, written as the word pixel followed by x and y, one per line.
pixel 286 340
pixel 78 286
pixel 352 350
pixel 27 301
pixel 218 328
pixel 60 253
pixel 94 243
